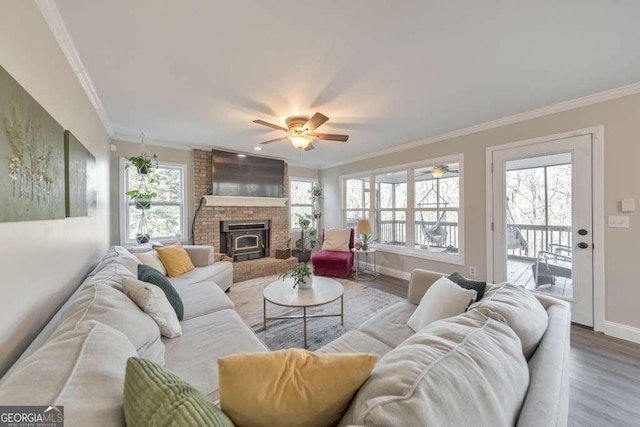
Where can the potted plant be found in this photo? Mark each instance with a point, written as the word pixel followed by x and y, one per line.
pixel 143 163
pixel 307 240
pixel 142 199
pixel 284 253
pixel 302 275
pixel 316 194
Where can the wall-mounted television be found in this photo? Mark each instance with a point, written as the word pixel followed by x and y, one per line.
pixel 236 174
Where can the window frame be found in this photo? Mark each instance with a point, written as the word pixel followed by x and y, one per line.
pixel 125 202
pixel 409 248
pixel 293 227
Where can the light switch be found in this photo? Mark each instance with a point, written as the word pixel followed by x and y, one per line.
pixel 618 221
pixel 627 205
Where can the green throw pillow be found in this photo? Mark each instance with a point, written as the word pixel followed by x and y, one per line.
pixel 477 286
pixel 156 397
pixel 153 276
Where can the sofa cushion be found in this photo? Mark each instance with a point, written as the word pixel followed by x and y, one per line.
pixel 355 342
pixel 154 396
pixel 336 239
pixel 443 299
pixel 204 339
pixel 153 276
pixel 113 308
pixel 331 257
pixel 153 301
pixel 202 298
pixel 152 259
pixel 476 285
pixel 290 388
pixel 462 371
pixel 118 255
pixel 175 259
pixel 520 309
pixel 110 275
pixel 82 369
pixel 220 273
pixel 390 325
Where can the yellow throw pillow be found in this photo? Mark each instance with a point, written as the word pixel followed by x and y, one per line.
pixel 175 259
pixel 291 387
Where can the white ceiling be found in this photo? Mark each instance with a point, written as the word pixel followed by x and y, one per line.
pixel 197 72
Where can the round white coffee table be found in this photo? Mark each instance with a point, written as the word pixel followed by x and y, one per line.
pixel 282 293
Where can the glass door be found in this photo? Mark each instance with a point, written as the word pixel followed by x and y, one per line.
pixel 542 218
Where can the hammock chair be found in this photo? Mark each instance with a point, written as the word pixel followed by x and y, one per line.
pixel 437 233
pixel 515 239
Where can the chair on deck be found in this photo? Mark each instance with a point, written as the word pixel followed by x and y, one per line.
pixel 552 263
pixel 334 263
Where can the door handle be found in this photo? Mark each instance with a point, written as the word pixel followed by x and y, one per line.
pixel 583 245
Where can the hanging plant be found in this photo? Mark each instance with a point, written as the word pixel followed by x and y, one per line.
pixel 142 199
pixel 316 192
pixel 143 163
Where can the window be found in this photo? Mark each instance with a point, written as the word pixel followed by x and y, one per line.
pixel 417 208
pixel 357 200
pixel 300 200
pixel 391 208
pixel 166 218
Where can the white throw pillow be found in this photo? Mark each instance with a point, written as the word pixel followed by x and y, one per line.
pixel 153 301
pixel 442 300
pixel 520 309
pixel 336 239
pixel 152 260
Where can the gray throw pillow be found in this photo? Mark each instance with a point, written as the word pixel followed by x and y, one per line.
pixel 153 276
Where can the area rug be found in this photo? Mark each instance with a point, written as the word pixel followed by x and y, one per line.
pixel 360 303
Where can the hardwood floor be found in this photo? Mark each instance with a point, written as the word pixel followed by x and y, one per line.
pixel 604 373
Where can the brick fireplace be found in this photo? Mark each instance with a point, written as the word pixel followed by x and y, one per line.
pixel 207 229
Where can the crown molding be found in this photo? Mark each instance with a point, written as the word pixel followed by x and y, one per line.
pixel 56 24
pixel 584 101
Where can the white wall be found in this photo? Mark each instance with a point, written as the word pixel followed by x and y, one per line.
pixel 42 262
pixel 620 118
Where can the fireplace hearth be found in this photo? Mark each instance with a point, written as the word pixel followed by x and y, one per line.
pixel 244 240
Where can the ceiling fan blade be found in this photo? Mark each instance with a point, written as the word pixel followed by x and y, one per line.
pixel 315 121
pixel 309 147
pixel 331 137
pixel 274 140
pixel 271 125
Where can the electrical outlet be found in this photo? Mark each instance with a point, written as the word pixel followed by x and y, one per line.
pixel 472 271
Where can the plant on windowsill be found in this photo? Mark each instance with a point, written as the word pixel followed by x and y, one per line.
pixel 302 275
pixel 142 199
pixel 307 240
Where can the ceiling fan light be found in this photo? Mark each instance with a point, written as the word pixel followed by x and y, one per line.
pixel 438 172
pixel 300 141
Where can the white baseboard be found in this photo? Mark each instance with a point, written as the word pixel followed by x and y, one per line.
pixel 618 330
pixel 398 274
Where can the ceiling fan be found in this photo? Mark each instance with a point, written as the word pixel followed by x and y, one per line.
pixel 440 171
pixel 300 131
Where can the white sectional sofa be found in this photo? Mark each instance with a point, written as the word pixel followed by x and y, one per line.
pixel 212 329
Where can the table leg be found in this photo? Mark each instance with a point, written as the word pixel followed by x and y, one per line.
pixel 304 319
pixel 342 309
pixel 264 313
pixel 357 267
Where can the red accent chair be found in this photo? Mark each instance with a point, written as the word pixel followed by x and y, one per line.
pixel 333 263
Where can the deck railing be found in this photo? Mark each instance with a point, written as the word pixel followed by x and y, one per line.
pixel 538 237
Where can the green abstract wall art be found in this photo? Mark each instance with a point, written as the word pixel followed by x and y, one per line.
pixel 31 157
pixel 80 178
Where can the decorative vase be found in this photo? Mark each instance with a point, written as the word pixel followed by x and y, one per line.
pixel 303 256
pixel 306 283
pixel 143 203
